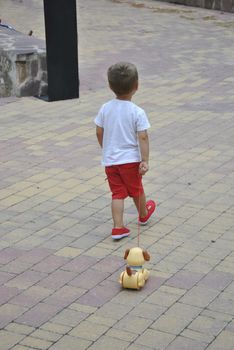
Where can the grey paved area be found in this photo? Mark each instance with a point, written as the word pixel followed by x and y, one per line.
pixel 59 267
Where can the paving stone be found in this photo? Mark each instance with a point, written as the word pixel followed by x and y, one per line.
pixel 19 328
pixel 176 318
pixel 225 267
pixel 181 343
pixel 217 315
pixel 11 200
pixel 121 334
pixel 35 343
pixel 31 296
pixel 106 321
pixel 155 339
pixel 230 327
pixel 201 264
pixel 197 336
pixel 10 254
pixel 58 242
pixel 9 312
pixel 184 279
pixel 222 306
pixel 80 264
pixel 162 298
pixel 133 324
pixel 86 242
pixel 80 229
pixel 6 293
pixel 87 330
pixel 26 279
pixel 50 264
pixel 30 242
pixel 224 340
pixel 113 311
pixel 4 244
pixel 57 279
pixel 68 318
pixel 71 343
pixel 89 278
pixel 45 335
pixel 21 347
pixel 35 255
pixel 109 264
pixel 16 267
pixel 217 280
pixel 64 296
pixel 172 290
pixel 199 296
pixel 38 315
pixel 9 339
pixel 16 235
pixel 55 328
pixel 148 311
pixel 69 252
pixel 207 325
pixel 99 295
pixel 137 347
pixel 128 297
pixel 97 252
pixel 83 308
pixel 217 253
pixel 109 343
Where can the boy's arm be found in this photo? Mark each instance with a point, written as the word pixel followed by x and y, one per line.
pixel 144 149
pixel 99 133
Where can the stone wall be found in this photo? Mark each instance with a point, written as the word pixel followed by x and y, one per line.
pixel 23 69
pixel 222 5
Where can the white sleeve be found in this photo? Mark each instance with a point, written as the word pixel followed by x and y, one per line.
pixel 142 121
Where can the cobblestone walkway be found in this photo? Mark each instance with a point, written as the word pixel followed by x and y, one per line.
pixel 59 267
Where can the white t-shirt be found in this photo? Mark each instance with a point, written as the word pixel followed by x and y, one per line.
pixel 121 120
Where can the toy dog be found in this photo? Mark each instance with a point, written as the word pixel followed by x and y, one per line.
pixel 135 275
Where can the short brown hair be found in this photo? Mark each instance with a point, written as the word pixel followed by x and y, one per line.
pixel 122 77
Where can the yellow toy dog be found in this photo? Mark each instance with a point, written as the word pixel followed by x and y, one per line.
pixel 135 275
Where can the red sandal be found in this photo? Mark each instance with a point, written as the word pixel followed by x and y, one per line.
pixel 118 233
pixel 150 206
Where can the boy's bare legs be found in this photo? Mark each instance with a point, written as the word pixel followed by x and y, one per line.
pixel 140 203
pixel 117 207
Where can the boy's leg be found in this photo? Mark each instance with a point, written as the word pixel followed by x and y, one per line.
pixel 117 208
pixel 119 231
pixel 119 192
pixel 145 209
pixel 133 182
pixel 140 203
pixel 150 208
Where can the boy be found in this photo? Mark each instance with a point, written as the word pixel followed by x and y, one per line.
pixel 121 129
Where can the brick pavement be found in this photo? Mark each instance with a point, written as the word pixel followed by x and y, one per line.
pixel 59 267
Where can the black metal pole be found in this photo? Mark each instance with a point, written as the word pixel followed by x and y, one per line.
pixel 61 49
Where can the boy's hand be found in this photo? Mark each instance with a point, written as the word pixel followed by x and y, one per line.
pixel 143 167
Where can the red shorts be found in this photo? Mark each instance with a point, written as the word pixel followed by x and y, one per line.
pixel 124 180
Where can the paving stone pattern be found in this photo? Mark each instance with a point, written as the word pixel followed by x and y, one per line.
pixel 59 267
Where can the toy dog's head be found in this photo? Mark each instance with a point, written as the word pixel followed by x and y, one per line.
pixel 136 256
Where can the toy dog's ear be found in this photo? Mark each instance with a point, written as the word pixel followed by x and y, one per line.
pixel 146 255
pixel 126 253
